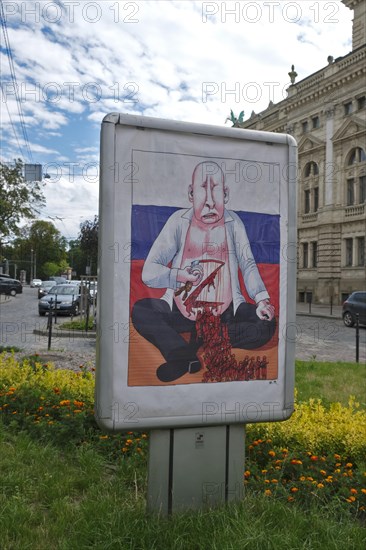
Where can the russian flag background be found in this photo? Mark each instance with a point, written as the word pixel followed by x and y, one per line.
pixel 263 232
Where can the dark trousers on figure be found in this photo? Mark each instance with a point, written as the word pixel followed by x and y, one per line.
pixel 163 327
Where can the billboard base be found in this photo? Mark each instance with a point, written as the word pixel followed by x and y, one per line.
pixel 195 468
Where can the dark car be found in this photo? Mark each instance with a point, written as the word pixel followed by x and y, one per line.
pixel 45 288
pixel 355 303
pixel 10 286
pixel 67 298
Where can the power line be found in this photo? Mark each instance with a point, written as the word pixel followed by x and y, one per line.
pixel 14 81
pixel 14 130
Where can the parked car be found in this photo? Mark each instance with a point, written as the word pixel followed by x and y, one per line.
pixel 59 280
pixel 67 298
pixel 10 286
pixel 35 283
pixel 45 288
pixel 355 303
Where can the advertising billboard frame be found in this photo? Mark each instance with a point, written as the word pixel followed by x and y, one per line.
pixel 120 404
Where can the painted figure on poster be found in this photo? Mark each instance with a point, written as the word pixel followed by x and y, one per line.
pixel 196 258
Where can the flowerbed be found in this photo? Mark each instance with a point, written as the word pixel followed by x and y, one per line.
pixel 317 455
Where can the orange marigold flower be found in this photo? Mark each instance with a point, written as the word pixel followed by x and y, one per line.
pixel 337 471
pixel 264 471
pixel 268 492
pixel 12 388
pixel 266 481
pixel 284 451
pixel 323 472
pixel 353 491
pixel 337 457
pixel 290 499
pixel 313 458
pixel 338 464
pixel 65 402
pixel 129 441
pixel 294 489
pixel 124 449
pixel 56 390
pixel 76 411
pixel 274 480
pixel 302 478
pixel 78 403
pixel 363 491
pixel 271 453
pixel 246 474
pixel 349 465
pixel 103 437
pixel 352 499
pixel 40 409
pixel 320 486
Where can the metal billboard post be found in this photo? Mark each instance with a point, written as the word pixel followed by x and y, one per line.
pixel 194 468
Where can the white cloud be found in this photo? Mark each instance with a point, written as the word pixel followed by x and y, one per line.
pixel 191 61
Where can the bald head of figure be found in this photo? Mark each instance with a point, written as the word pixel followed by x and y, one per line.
pixel 208 192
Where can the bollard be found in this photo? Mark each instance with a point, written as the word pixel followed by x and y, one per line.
pixel 357 338
pixel 49 325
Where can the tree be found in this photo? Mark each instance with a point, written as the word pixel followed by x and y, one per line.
pixel 19 199
pixel 88 239
pixel 41 243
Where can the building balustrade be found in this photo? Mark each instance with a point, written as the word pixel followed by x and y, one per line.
pixel 355 210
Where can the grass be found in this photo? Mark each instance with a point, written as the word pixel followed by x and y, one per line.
pixel 75 499
pixel 64 496
pixel 331 382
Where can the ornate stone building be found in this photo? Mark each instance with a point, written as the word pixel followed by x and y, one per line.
pixel 326 113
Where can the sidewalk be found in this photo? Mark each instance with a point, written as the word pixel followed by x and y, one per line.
pixel 319 310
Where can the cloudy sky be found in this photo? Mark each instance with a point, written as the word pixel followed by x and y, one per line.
pixel 72 62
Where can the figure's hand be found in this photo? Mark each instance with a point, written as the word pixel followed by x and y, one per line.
pixel 192 274
pixel 265 310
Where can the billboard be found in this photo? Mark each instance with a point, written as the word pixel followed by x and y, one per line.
pixel 197 260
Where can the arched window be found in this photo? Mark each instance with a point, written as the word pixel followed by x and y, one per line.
pixel 311 169
pixel 356 155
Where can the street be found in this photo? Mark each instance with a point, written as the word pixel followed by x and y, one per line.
pixel 320 337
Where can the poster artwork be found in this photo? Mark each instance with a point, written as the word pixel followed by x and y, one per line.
pixel 204 291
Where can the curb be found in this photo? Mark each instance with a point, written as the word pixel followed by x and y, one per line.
pixel 71 334
pixel 323 315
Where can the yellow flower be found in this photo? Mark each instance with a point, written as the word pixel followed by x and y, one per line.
pixel 103 437
pixel 337 457
pixel 320 486
pixel 352 499
pixel 349 465
pixel 323 472
pixel 271 453
pixel 268 492
pixel 302 478
pixel 264 471
pixel 274 480
pixel 363 491
pixel 294 489
pixel 266 481
pixel 65 402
